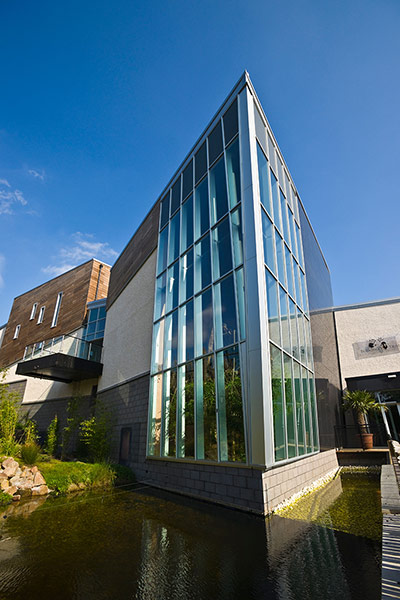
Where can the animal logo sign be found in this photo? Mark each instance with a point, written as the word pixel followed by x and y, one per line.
pixel 376 347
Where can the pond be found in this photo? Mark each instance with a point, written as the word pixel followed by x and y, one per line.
pixel 147 544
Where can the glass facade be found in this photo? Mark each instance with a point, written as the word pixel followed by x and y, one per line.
pixel 196 401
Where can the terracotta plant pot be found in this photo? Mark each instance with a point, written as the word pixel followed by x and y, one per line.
pixel 367 441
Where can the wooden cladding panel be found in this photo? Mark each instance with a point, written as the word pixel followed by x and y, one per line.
pixel 77 285
pixel 141 245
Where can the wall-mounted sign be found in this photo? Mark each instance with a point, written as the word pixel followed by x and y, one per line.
pixel 376 347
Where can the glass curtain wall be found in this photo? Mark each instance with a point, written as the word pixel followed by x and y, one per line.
pixel 292 370
pixel 196 403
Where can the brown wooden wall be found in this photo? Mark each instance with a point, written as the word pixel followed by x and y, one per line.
pixel 139 248
pixel 78 287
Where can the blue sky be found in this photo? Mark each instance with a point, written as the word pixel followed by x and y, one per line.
pixel 101 101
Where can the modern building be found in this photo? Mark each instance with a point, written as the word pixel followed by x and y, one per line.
pixel 52 342
pixel 208 358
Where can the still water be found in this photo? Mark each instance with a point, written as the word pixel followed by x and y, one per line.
pixel 149 545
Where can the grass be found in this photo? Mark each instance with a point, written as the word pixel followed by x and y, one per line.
pixel 5 499
pixel 60 475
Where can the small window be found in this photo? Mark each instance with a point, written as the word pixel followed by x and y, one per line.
pixel 16 332
pixel 33 311
pixel 41 315
pixel 57 310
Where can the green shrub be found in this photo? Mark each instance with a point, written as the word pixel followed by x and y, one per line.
pixel 8 416
pixel 30 432
pixel 30 453
pixel 59 475
pixel 5 499
pixel 123 475
pixel 52 437
pixel 95 434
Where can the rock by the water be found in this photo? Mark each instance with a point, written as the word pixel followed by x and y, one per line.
pixel 39 479
pixel 40 490
pixel 10 467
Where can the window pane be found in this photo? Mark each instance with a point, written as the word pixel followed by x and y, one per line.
pixel 271 152
pixel 289 272
pixel 261 131
pixel 209 410
pixel 162 250
pixel 304 292
pixel 218 194
pixel 276 201
pixel 102 312
pixel 302 344
pixel 272 301
pixel 188 180
pixel 201 162
pixel 204 328
pixel 241 307
pixel 169 413
pixel 164 211
pixel 93 314
pixel 202 219
pixel 293 329
pixel 296 273
pixel 186 411
pixel 299 246
pixel 278 404
pixel 225 313
pixel 307 412
pixel 313 412
pixel 290 406
pixel 292 233
pixel 176 196
pixel 159 304
pixel 237 236
pixel 215 146
pixel 202 264
pixel 172 286
pixel 221 250
pixel 286 233
pixel 231 125
pixel 187 224
pixel 158 347
pixel 171 340
pixel 155 416
pixel 230 406
pixel 280 258
pixel 265 195
pixel 299 408
pixel 186 283
pixel 186 332
pixel 174 226
pixel 308 343
pixel 283 300
pixel 233 171
pixel 268 235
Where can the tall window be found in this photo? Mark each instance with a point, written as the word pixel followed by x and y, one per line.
pixel 196 404
pixel 33 311
pixel 41 315
pixel 57 310
pixel 16 332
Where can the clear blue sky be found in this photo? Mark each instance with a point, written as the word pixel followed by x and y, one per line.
pixel 100 102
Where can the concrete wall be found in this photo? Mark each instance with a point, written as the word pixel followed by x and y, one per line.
pixel 129 326
pixel 364 323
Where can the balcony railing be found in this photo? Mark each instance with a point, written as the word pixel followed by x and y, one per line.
pixel 64 344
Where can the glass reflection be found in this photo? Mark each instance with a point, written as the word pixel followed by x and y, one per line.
pixel 185 444
pixel 221 249
pixel 225 313
pixel 233 171
pixel 230 406
pixel 218 192
pixel 278 404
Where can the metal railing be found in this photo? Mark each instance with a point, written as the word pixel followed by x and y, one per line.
pixel 64 344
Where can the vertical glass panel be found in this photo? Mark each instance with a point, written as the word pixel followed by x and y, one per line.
pixel 299 246
pixel 93 314
pixel 206 421
pixel 202 218
pixel 172 286
pixel 233 171
pixel 313 407
pixel 307 328
pixel 285 324
pixel 273 313
pixel 230 407
pixel 187 224
pixel 292 233
pixel 173 248
pixel 187 184
pixel 221 249
pixel 265 195
pixel 302 343
pixel 202 262
pixel 162 250
pixel 158 346
pixel 164 217
pixel 276 201
pixel 218 193
pixel 176 195
pixel 289 272
pixel 186 332
pixel 280 258
pixel 171 340
pixel 286 233
pixel 185 434
pixel 299 408
pixel 268 237
pixel 290 406
pixel 307 412
pixel 296 274
pixel 278 404
pixel 271 152
pixel 159 304
pixel 304 292
pixel 261 131
pixel 293 329
pixel 169 413
pixel 200 162
pixel 186 277
pixel 280 171
pixel 241 307
pixel 155 416
pixel 226 331
pixel 215 146
pixel 231 125
pixel 204 328
pixel 237 237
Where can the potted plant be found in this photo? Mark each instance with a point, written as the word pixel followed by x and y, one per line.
pixel 362 402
